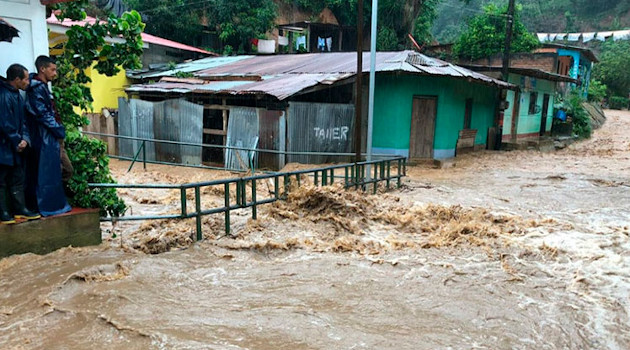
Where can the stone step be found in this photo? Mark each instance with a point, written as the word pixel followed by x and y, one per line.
pixel 77 228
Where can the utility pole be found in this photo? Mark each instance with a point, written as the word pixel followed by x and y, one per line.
pixel 508 41
pixel 373 34
pixel 358 82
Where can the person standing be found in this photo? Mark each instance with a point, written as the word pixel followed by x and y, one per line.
pixel 14 140
pixel 44 187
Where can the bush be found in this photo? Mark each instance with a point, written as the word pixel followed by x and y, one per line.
pixel 596 91
pixel 581 119
pixel 91 165
pixel 618 102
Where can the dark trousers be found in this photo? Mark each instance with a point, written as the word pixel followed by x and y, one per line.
pixel 11 181
pixel 66 166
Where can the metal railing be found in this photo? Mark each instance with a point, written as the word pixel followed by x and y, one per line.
pixel 141 152
pixel 353 175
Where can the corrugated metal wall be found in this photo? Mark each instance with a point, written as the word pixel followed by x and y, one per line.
pixel 243 131
pixel 319 127
pixel 190 116
pixel 273 137
pixel 135 119
pixel 173 120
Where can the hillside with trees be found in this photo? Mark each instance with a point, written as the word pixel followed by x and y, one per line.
pixel 554 16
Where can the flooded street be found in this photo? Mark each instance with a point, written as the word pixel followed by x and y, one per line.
pixel 504 250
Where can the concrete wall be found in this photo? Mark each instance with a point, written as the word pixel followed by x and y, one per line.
pixel 528 124
pixel 29 17
pixel 106 90
pixel 543 61
pixel 393 107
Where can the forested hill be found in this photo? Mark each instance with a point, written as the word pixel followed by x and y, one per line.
pixel 538 15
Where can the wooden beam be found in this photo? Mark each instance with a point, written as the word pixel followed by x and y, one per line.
pixel 225 123
pixel 220 107
pixel 214 132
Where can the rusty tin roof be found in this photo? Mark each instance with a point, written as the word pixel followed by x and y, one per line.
pixel 282 76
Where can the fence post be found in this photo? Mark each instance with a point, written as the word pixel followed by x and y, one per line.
pixel 144 155
pixel 227 208
pixel 332 176
pixel 239 191
pixel 183 202
pixel 375 177
pixel 389 165
pixel 286 185
pixel 254 211
pixel 399 171
pixel 198 212
pixel 244 193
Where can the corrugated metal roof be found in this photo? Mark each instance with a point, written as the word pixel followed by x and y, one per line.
pixel 285 75
pixel 531 72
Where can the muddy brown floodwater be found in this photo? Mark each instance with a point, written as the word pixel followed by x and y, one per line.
pixel 505 250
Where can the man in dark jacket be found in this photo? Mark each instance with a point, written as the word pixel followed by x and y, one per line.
pixel 44 187
pixel 14 139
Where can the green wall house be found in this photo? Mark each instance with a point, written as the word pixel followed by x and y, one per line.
pixel 530 110
pixel 424 107
pixel 456 105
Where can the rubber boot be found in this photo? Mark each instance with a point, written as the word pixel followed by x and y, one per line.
pixel 19 207
pixel 5 217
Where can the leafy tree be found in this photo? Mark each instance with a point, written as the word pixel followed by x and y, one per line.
pixel 596 91
pixel 86 47
pixel 396 18
pixel 178 20
pixel 236 21
pixel 486 35
pixel 581 119
pixel 613 70
pixel 551 16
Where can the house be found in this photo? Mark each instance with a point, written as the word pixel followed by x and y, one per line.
pixel 529 113
pixel 305 103
pixel 572 61
pixel 29 17
pixel 576 62
pixel 317 37
pixel 550 70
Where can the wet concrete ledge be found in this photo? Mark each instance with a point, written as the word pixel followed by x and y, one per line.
pixel 77 228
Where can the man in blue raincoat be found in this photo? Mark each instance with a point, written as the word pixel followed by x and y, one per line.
pixel 44 187
pixel 14 140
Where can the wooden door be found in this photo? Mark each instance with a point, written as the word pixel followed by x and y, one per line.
pixel 543 116
pixel 516 111
pixel 422 127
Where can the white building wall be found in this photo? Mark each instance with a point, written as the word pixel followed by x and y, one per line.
pixel 29 17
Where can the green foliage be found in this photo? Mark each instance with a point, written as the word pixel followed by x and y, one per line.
pixel 178 20
pixel 86 47
pixel 386 39
pixel 181 74
pixel 236 21
pixel 239 21
pixel 485 35
pixel 396 18
pixel 613 70
pixel 581 120
pixel 228 50
pixel 618 102
pixel 91 165
pixel 551 16
pixel 596 91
